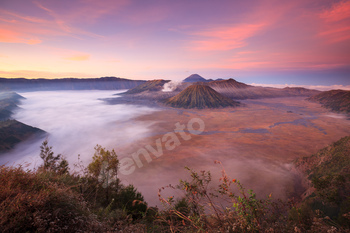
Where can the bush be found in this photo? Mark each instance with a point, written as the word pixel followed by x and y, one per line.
pixel 30 202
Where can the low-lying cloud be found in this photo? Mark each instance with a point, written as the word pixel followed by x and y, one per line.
pixel 78 120
pixel 75 122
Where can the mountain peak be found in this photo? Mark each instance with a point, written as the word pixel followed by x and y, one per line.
pixel 228 83
pixel 200 96
pixel 195 78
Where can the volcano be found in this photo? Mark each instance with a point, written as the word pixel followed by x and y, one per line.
pixel 194 78
pixel 153 85
pixel 224 85
pixel 200 96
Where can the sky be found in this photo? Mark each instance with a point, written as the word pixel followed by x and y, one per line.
pixel 301 42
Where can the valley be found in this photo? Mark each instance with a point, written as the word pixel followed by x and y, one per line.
pixel 256 143
pixel 255 136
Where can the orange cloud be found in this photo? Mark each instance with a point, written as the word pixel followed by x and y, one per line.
pixel 8 36
pixel 225 38
pixel 42 74
pixel 81 57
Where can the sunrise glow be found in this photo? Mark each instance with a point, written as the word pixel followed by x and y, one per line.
pixel 258 41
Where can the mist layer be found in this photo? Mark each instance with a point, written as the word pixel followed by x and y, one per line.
pixel 75 121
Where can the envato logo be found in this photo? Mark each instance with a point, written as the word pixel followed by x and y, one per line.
pixel 106 176
pixel 168 141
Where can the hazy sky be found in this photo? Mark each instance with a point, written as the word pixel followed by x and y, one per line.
pixel 260 41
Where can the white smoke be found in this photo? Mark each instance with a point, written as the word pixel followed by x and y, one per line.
pixel 170 86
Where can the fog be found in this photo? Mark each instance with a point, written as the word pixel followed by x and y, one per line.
pixel 263 176
pixel 75 121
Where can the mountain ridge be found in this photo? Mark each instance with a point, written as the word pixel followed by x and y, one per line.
pixel 103 83
pixel 152 85
pixel 335 100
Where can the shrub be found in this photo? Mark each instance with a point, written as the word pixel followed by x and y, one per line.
pixel 30 202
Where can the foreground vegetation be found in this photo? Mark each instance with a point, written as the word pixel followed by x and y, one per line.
pixel 91 199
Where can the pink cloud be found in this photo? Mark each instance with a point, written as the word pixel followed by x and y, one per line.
pixel 339 11
pixel 224 38
pixel 17 28
pixel 336 21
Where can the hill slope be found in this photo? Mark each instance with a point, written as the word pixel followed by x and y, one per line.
pixel 328 174
pixel 13 132
pixel 153 85
pixel 8 102
pixel 336 100
pixel 200 96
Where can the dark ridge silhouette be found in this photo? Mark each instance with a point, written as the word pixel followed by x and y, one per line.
pixel 335 100
pixel 8 102
pixel 200 96
pixel 104 83
pixel 194 78
pixel 13 132
pixel 153 85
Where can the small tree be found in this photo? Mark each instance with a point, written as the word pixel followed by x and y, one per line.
pixel 104 168
pixel 51 162
pixel 131 201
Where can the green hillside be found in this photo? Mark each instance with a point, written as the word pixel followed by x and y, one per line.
pixel 328 173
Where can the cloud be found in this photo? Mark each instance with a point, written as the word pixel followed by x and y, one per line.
pixel 8 36
pixel 42 74
pixel 20 28
pixel 336 22
pixel 75 122
pixel 314 87
pixel 81 57
pixel 339 11
pixel 224 38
